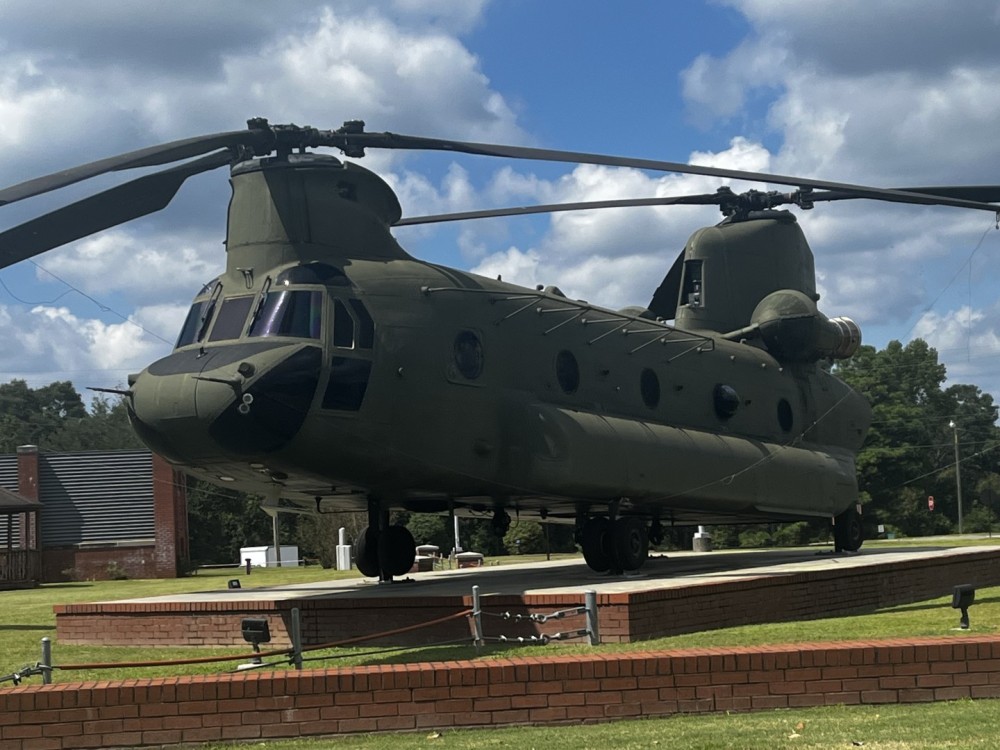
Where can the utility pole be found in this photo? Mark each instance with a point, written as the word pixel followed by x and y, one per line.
pixel 958 474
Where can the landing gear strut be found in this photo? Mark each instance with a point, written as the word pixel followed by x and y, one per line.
pixel 383 550
pixel 848 532
pixel 621 545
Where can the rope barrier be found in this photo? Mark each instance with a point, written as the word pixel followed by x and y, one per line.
pixel 38 669
pixel 408 628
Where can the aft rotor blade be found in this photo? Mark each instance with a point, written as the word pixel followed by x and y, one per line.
pixel 664 302
pixel 707 199
pixel 979 193
pixel 354 143
pixel 101 211
pixel 146 157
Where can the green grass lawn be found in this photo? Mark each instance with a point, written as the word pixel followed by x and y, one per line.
pixel 960 724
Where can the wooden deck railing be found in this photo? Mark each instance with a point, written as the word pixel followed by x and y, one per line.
pixel 20 565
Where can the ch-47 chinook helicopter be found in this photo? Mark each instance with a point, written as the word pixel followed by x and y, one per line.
pixel 327 369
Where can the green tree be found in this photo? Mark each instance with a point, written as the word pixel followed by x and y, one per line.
pixel 909 452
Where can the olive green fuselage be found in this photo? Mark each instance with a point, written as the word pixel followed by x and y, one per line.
pixel 430 388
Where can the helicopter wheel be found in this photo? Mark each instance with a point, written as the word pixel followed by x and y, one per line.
pixel 594 541
pixel 848 532
pixel 396 550
pixel 630 542
pixel 366 556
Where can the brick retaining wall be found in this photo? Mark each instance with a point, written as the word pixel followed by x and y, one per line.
pixel 541 690
pixel 624 617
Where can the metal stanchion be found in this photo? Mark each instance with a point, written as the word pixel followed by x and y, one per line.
pixel 46 661
pixel 477 619
pixel 296 635
pixel 592 626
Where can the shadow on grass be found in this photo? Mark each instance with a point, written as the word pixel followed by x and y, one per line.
pixel 27 627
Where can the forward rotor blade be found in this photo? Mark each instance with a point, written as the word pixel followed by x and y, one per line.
pixel 354 143
pixel 101 211
pixel 664 302
pixel 707 199
pixel 146 157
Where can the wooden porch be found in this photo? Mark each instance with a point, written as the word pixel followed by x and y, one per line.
pixel 20 559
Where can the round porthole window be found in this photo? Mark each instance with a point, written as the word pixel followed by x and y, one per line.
pixel 726 401
pixel 785 416
pixel 469 355
pixel 567 371
pixel 649 386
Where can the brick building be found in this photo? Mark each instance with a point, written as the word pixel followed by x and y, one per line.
pixel 100 514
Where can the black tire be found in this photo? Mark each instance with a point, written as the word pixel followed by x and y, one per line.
pixel 848 531
pixel 630 541
pixel 594 543
pixel 396 550
pixel 366 553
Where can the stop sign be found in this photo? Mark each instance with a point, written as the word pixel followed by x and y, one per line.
pixel 930 502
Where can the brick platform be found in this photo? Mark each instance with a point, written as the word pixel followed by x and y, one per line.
pixel 663 603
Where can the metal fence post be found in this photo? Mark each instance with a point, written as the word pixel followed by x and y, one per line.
pixel 46 662
pixel 296 638
pixel 477 618
pixel 592 627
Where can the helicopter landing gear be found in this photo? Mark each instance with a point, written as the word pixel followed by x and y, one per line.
pixel 383 550
pixel 616 546
pixel 500 522
pixel 631 542
pixel 848 532
pixel 594 539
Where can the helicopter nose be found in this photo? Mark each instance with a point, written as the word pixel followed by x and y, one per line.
pixel 192 409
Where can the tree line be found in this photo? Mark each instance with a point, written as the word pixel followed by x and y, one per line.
pixel 909 455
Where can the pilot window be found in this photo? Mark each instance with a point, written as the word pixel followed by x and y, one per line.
pixel 193 323
pixel 343 326
pixel 366 326
pixel 289 312
pixel 232 316
pixel 348 383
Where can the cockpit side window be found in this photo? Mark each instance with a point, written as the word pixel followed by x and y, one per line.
pixel 289 312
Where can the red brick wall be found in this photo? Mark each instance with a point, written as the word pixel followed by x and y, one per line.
pixel 622 617
pixel 96 563
pixel 542 690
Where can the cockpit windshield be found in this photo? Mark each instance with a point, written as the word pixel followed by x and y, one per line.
pixel 200 314
pixel 289 312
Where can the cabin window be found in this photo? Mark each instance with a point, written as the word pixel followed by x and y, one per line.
pixel 567 372
pixel 468 351
pixel 231 319
pixel 348 383
pixel 649 387
pixel 726 400
pixel 785 417
pixel 289 312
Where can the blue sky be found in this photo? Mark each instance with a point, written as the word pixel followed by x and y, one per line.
pixel 889 94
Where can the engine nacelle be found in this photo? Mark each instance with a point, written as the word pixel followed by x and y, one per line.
pixel 794 330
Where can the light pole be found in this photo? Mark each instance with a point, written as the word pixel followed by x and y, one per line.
pixel 958 474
